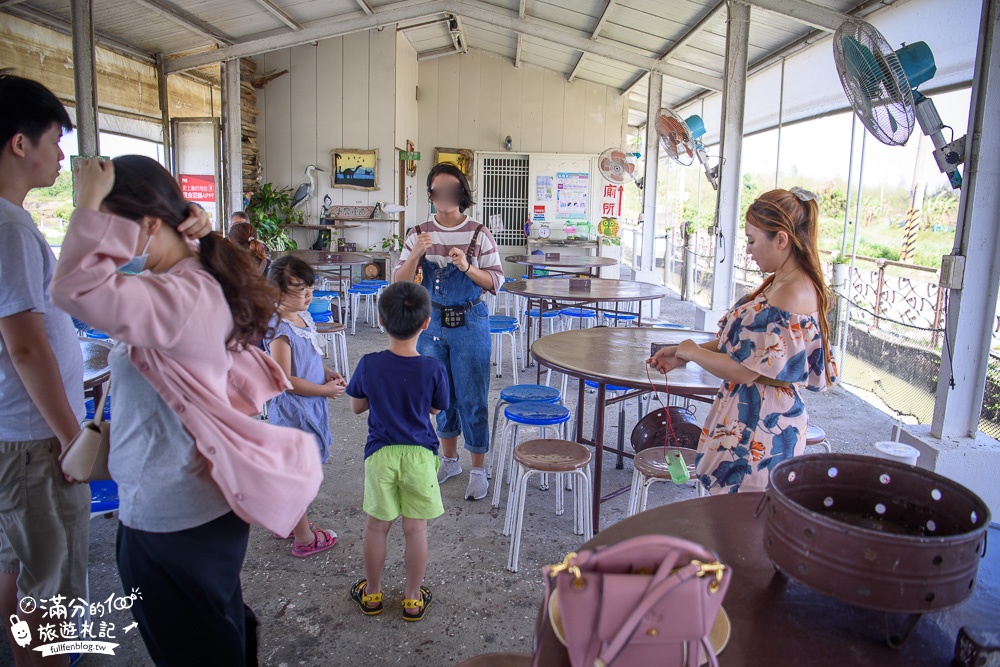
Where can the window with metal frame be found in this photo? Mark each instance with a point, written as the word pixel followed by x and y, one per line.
pixel 504 192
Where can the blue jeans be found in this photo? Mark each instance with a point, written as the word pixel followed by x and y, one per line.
pixel 465 352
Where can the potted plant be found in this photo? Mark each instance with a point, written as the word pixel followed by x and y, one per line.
pixel 270 210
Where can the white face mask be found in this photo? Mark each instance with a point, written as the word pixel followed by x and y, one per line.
pixel 137 264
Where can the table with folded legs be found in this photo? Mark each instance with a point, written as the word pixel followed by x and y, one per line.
pixel 617 356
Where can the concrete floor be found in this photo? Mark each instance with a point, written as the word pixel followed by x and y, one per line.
pixel 303 606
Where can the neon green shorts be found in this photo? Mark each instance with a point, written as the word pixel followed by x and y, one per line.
pixel 402 479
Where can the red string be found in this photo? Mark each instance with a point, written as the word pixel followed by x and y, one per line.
pixel 670 423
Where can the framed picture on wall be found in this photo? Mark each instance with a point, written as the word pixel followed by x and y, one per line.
pixel 460 157
pixel 354 168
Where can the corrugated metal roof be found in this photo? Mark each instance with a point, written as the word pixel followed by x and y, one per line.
pixel 631 31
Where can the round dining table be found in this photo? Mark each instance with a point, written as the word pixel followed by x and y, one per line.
pixel 548 294
pixel 778 621
pixel 95 366
pixel 589 263
pixel 333 263
pixel 617 356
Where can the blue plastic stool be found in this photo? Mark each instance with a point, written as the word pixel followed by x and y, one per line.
pixel 620 463
pixel 668 325
pixel 96 334
pixel 322 317
pixel 528 413
pixel 519 393
pixel 331 294
pixel 627 318
pixel 103 498
pixel 89 407
pixel 501 327
pixel 371 297
pixel 582 315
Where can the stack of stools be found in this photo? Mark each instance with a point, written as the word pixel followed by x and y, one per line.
pixel 614 319
pixel 583 318
pixel 518 393
pixel 545 416
pixel 370 293
pixel 331 294
pixel 334 336
pixel 502 326
pixel 552 316
pixel 560 457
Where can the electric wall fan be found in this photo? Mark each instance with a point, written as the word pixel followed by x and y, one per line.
pixel 618 166
pixel 679 139
pixel 881 85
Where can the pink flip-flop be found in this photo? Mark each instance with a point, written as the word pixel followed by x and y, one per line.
pixel 325 539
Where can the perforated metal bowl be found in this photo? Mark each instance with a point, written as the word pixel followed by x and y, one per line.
pixel 875 533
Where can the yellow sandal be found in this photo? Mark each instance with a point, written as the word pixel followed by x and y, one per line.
pixel 422 604
pixel 364 600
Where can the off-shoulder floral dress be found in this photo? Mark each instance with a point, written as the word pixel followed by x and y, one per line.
pixel 753 427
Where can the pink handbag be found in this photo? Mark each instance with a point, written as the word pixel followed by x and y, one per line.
pixel 649 600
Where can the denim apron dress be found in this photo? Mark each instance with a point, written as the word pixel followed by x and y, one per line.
pixel 464 351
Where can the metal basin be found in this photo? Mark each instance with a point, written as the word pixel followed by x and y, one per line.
pixel 875 533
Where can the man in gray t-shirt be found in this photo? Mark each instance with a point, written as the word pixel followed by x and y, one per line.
pixel 44 519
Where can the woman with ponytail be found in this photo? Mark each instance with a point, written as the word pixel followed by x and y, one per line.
pixel 773 342
pixel 193 465
pixel 241 233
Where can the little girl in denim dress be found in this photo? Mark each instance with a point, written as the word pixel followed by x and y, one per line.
pixel 294 345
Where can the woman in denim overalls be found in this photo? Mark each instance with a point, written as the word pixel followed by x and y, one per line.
pixel 447 254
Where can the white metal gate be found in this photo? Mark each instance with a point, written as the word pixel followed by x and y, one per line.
pixel 503 191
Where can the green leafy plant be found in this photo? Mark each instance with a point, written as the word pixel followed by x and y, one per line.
pixel 270 209
pixel 837 258
pixel 393 243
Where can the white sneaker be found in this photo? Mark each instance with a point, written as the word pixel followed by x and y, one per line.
pixel 478 484
pixel 449 468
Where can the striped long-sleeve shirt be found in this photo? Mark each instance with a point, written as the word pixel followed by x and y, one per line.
pixel 485 256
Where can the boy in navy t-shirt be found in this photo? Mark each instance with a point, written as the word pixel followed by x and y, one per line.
pixel 401 390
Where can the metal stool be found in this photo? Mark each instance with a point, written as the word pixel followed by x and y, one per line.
pixel 528 413
pixel 614 389
pixel 586 317
pixel 552 316
pixel 561 457
pixel 518 393
pixel 371 295
pixel 501 327
pixel 335 345
pixel 650 468
pixel 331 294
pixel 816 437
pixel 103 498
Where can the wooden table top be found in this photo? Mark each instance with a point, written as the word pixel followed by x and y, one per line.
pixel 564 261
pixel 601 289
pixel 617 355
pixel 331 258
pixel 95 362
pixel 777 621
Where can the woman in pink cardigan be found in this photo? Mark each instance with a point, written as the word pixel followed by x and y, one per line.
pixel 192 464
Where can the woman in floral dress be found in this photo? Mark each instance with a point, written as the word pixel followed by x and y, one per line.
pixel 772 343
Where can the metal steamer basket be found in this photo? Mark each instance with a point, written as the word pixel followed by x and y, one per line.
pixel 651 430
pixel 875 533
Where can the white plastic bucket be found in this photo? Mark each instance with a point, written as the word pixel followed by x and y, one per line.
pixel 897 451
